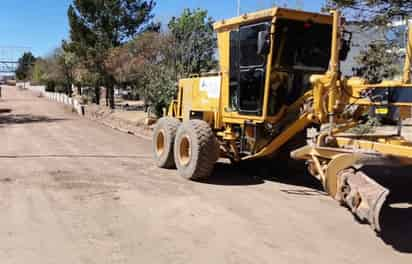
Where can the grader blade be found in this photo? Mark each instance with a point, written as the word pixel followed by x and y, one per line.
pixel 364 196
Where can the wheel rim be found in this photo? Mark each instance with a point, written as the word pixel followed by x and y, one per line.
pixel 185 152
pixel 160 143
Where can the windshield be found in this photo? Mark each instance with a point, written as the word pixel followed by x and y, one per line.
pixel 248 45
pixel 302 45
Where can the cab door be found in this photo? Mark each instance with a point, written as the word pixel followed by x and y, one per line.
pixel 247 70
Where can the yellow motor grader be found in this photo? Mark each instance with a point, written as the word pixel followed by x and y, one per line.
pixel 280 76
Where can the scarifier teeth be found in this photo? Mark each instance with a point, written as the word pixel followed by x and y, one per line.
pixel 364 196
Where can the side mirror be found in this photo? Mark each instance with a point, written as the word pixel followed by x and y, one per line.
pixel 263 45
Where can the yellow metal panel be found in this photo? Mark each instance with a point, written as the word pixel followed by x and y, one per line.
pixel 269 14
pixel 224 58
pixel 269 71
pixel 223 40
pixel 206 97
pixel 235 118
pixel 398 148
pixel 196 98
pixel 187 88
pixel 304 16
pixel 245 19
pixel 356 86
pixel 280 140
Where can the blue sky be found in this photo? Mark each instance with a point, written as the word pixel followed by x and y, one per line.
pixel 42 24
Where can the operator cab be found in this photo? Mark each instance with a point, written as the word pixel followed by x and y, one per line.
pixel 301 49
pixel 296 50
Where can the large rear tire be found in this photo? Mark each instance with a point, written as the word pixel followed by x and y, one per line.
pixel 196 150
pixel 163 141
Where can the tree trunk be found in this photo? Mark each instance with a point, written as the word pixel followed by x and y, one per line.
pixel 79 90
pixel 107 93
pixel 111 96
pixel 69 90
pixel 97 94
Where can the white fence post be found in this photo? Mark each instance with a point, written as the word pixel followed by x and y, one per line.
pixel 60 98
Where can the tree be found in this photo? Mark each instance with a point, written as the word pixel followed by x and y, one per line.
pixel 67 64
pixel 38 72
pixel 98 26
pixel 377 63
pixel 153 62
pixel 84 78
pixel 25 65
pixel 45 71
pixel 194 42
pixel 147 65
pixel 381 57
pixel 56 71
pixel 369 13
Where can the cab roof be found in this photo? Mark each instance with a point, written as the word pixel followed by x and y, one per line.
pixel 269 14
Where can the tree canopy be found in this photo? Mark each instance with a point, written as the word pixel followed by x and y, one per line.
pixel 116 43
pixel 373 12
pixel 25 65
pixel 57 71
pixel 194 41
pixel 153 62
pixel 98 26
pixel 375 63
pixel 381 59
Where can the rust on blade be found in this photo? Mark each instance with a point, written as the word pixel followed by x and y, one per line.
pixel 364 196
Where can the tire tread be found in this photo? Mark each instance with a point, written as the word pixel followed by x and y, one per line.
pixel 208 149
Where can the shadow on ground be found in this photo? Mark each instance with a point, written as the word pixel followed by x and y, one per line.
pixel 258 172
pixel 25 118
pixel 5 110
pixel 232 175
pixel 396 215
pixel 18 100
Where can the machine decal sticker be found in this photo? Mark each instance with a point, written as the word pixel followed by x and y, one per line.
pixel 211 85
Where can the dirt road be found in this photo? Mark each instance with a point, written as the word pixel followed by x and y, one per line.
pixel 74 191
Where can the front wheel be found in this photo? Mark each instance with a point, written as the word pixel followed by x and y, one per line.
pixel 196 150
